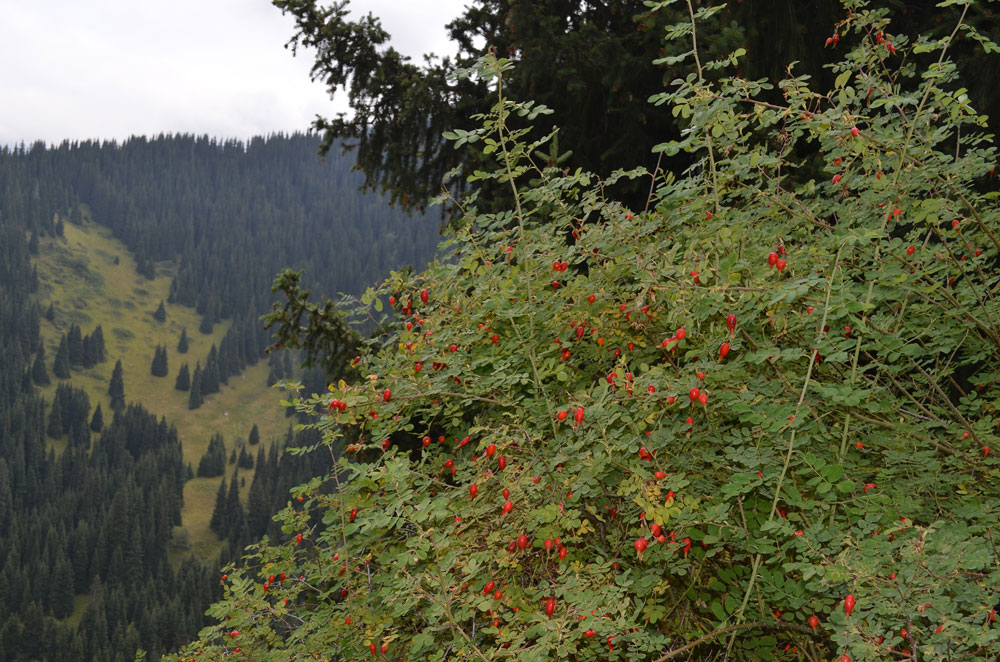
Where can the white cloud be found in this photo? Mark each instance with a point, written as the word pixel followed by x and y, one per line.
pixel 113 68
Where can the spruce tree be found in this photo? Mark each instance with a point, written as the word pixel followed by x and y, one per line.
pixel 97 422
pixel 206 325
pixel 183 382
pixel 254 436
pixel 39 374
pixel 159 365
pixel 74 343
pixel 116 388
pixel 219 512
pixel 50 312
pixel 182 344
pixel 195 398
pixel 55 427
pixel 60 366
pixel 160 315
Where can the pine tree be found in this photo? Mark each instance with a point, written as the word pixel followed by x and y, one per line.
pixel 74 343
pixel 97 422
pixel 195 399
pixel 33 243
pixel 60 366
pixel 206 325
pixel 210 375
pixel 183 382
pixel 182 344
pixel 116 388
pixel 219 512
pixel 160 315
pixel 50 313
pixel 97 343
pixel 159 365
pixel 254 436
pixel 55 427
pixel 39 374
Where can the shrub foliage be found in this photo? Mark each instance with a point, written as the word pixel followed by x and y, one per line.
pixel 687 429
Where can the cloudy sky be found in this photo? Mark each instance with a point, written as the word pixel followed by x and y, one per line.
pixel 82 69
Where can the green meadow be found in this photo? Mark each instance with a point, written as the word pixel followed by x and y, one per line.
pixel 91 278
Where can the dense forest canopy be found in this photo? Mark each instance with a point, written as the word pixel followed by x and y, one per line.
pixel 85 534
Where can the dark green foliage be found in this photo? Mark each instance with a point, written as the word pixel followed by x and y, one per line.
pixel 210 373
pixel 182 344
pixel 254 437
pixel 74 343
pixel 39 375
pixel 183 382
pixel 33 243
pixel 50 312
pixel 61 365
pixel 205 326
pixel 159 366
pixel 245 459
pixel 213 462
pixel 195 398
pixel 97 422
pixel 219 512
pixel 93 347
pixel 160 314
pixel 116 388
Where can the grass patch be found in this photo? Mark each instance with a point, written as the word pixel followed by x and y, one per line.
pixel 79 276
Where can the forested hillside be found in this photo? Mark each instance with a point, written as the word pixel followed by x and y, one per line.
pixel 91 483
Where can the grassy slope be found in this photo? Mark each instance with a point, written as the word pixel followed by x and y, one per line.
pixel 78 275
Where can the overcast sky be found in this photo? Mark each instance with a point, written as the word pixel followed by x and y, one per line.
pixel 82 69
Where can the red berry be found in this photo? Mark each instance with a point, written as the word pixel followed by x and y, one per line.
pixel 562 415
pixel 854 131
pixel 772 259
pixel 813 622
pixel 680 333
pixel 780 265
pixel 501 463
pixel 372 648
pixel 547 544
pixel 473 491
pixel 490 450
pixel 550 606
pixel 589 633
pixel 453 348
pixel 424 296
pixel 489 587
pixel 640 545
pixel 507 507
pixel 591 299
pixel 298 539
pixel 703 399
pixel 578 415
pixel 386 395
pixel 694 393
pixel 522 541
pixel 836 179
pixel 909 250
pixel 723 350
pixel 731 322
pixel 849 604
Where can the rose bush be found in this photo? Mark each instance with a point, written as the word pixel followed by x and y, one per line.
pixel 751 421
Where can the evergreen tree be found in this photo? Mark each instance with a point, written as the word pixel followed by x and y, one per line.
pixel 254 438
pixel 206 325
pixel 33 243
pixel 182 344
pixel 50 313
pixel 217 523
pixel 97 422
pixel 160 315
pixel 159 365
pixel 245 459
pixel 55 427
pixel 39 374
pixel 213 462
pixel 60 366
pixel 116 388
pixel 195 398
pixel 74 343
pixel 183 382
pixel 210 375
